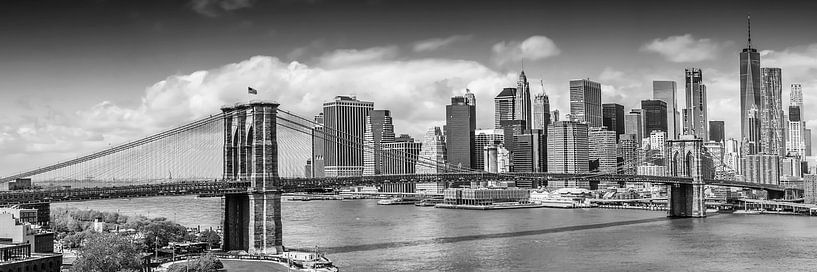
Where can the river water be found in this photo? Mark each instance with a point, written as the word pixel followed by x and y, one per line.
pixel 362 236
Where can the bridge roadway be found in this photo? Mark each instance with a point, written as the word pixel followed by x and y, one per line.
pixel 217 188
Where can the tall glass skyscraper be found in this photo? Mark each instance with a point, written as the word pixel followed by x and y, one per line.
pixel 541 111
pixel 613 118
pixel 585 102
pixel 750 97
pixel 504 104
pixel 459 132
pixel 665 91
pixel 695 117
pixel 771 113
pixel 655 115
pixel 344 127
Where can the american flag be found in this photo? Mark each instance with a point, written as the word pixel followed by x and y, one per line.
pixel 251 90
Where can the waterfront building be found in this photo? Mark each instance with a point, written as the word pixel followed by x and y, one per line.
pixel 344 128
pixel 522 106
pixel 613 118
pixel 379 130
pixel 398 187
pixel 504 104
pixel 436 187
pixel 791 167
pixel 716 131
pixel 431 159
pixel 633 125
pixel 695 117
pixel 308 169
pixel 665 91
pixel 628 152
pixel 771 112
pixel 585 102
pixel 483 138
pixel 400 157
pixel 460 139
pixel 810 189
pixel 750 99
pixel 655 115
pixel 529 154
pixel 567 147
pixel 603 149
pixel 541 112
pixel 761 168
pixel 483 196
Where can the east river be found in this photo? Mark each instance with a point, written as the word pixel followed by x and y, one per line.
pixel 359 235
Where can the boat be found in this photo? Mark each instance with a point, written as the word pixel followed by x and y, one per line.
pixel 557 202
pixel 748 212
pixel 428 202
pixel 712 210
pixel 396 201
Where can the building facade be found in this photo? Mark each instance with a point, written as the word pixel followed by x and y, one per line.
pixel 344 129
pixel 655 115
pixel 504 106
pixel 772 124
pixel 379 130
pixel 522 107
pixel 541 112
pixel 585 102
pixel 603 149
pixel 483 138
pixel 613 118
pixel 716 131
pixel 460 139
pixel 665 91
pixel 695 114
pixel 567 147
pixel 432 157
pixel 750 99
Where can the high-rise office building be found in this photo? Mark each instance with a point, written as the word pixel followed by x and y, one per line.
pixel 522 107
pixel 470 98
pixel 529 152
pixel 750 97
pixel 796 96
pixel 554 116
pixel 509 129
pixel 483 138
pixel 344 126
pixel 795 131
pixel 695 118
pixel 541 111
pixel 665 91
pixel 504 104
pixel 613 118
pixel 807 141
pixel 633 125
pixel 716 131
pixel 567 147
pixel 399 157
pixel 761 168
pixel 628 152
pixel 771 112
pixel 318 136
pixel 491 155
pixel 432 153
pixel 731 156
pixel 379 129
pixel 655 115
pixel 459 132
pixel 585 102
pixel 603 149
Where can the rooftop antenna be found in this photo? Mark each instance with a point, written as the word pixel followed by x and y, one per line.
pixel 749 29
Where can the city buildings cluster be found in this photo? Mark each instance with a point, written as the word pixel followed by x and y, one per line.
pixel 351 138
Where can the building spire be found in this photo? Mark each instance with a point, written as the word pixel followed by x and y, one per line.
pixel 749 29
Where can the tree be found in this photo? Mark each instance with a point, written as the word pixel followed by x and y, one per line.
pixel 206 263
pixel 210 237
pixel 162 232
pixel 102 252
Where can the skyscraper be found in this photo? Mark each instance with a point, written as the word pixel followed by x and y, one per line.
pixel 399 157
pixel 460 139
pixel 585 102
pixel 807 141
pixel 522 107
pixel 628 152
pixel 504 104
pixel 318 136
pixel 470 98
pixel 603 149
pixel 771 112
pixel 379 129
pixel 613 118
pixel 795 140
pixel 665 91
pixel 432 153
pixel 695 119
pixel 750 96
pixel 529 152
pixel 541 111
pixel 344 126
pixel 796 96
pixel 483 138
pixel 716 131
pixel 655 115
pixel 567 147
pixel 633 125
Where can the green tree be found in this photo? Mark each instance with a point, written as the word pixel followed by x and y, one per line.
pixel 206 263
pixel 103 252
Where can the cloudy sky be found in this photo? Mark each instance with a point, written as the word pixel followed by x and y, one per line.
pixel 76 76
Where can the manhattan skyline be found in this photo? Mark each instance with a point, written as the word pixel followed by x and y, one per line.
pixel 97 73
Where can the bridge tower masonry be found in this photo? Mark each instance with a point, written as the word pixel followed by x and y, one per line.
pixel 685 157
pixel 252 219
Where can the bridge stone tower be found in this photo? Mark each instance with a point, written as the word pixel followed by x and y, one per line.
pixel 686 157
pixel 252 219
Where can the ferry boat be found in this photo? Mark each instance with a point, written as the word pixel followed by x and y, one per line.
pixel 428 202
pixel 396 201
pixel 748 212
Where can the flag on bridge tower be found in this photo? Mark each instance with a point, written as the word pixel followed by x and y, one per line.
pixel 250 90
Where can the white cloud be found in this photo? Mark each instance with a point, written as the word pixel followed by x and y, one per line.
pixel 416 91
pixel 216 8
pixel 684 48
pixel 437 43
pixel 532 48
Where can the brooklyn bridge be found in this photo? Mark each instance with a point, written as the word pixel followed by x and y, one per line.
pixel 251 153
